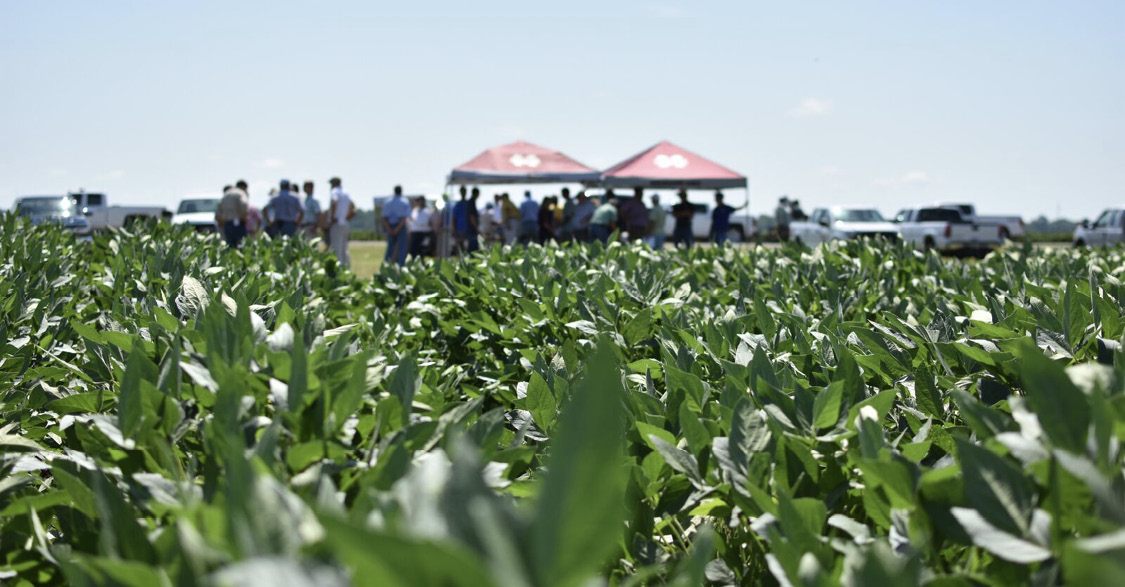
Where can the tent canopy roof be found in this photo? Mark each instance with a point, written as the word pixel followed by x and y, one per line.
pixel 667 166
pixel 522 162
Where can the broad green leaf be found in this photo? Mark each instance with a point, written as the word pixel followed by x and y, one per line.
pixel 996 488
pixel 1063 410
pixel 579 513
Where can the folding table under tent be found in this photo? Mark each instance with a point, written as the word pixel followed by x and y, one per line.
pixel 522 162
pixel 666 166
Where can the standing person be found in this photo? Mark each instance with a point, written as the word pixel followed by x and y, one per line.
pixel 720 219
pixel 584 210
pixel 488 224
pixel 340 210
pixel 529 219
pixel 498 216
pixel 286 211
pixel 511 218
pixel 395 212
pixel 231 214
pixel 461 219
pixel 657 218
pixel 473 237
pixel 604 220
pixel 781 219
pixel 419 227
pixel 312 221
pixel 568 205
pixel 253 214
pixel 634 215
pixel 267 214
pixel 547 219
pixel 682 213
pixel 443 229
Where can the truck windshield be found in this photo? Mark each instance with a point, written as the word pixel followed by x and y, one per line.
pixel 201 205
pixel 859 216
pixel 49 206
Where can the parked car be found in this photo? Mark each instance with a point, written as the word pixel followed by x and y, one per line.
pixel 57 209
pixel 841 223
pixel 946 230
pixel 1011 227
pixel 94 206
pixel 198 212
pixel 1107 230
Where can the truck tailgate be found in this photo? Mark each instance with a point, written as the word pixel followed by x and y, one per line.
pixel 974 235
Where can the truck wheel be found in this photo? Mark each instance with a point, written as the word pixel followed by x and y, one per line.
pixel 1079 243
pixel 1004 233
pixel 928 244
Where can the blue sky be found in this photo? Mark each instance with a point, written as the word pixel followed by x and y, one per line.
pixel 1016 105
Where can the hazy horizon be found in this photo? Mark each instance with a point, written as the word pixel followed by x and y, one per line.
pixel 1015 106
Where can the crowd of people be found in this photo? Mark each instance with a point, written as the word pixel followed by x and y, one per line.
pixel 414 229
pixel 285 214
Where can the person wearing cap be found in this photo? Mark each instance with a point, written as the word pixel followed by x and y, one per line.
pixel 231 214
pixel 340 211
pixel 657 219
pixel 311 223
pixel 604 220
pixel 286 211
pixel 395 212
pixel 529 219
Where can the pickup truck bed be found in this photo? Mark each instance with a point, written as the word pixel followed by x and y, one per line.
pixel 947 231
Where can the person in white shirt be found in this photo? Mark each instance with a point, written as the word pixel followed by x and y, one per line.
pixel 341 211
pixel 419 227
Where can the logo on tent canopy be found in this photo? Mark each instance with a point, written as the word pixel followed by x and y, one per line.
pixel 524 160
pixel 665 161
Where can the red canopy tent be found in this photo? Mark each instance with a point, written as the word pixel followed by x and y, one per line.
pixel 522 162
pixel 667 166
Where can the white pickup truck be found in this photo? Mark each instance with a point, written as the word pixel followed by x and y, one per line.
pixel 1107 230
pixel 742 225
pixel 946 230
pixel 1011 227
pixel 840 223
pixel 198 212
pixel 101 216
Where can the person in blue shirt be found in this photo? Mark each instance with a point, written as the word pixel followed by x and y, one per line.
pixel 395 212
pixel 287 211
pixel 461 219
pixel 529 219
pixel 720 219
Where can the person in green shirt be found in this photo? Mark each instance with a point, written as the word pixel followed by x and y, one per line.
pixel 656 218
pixel 604 220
